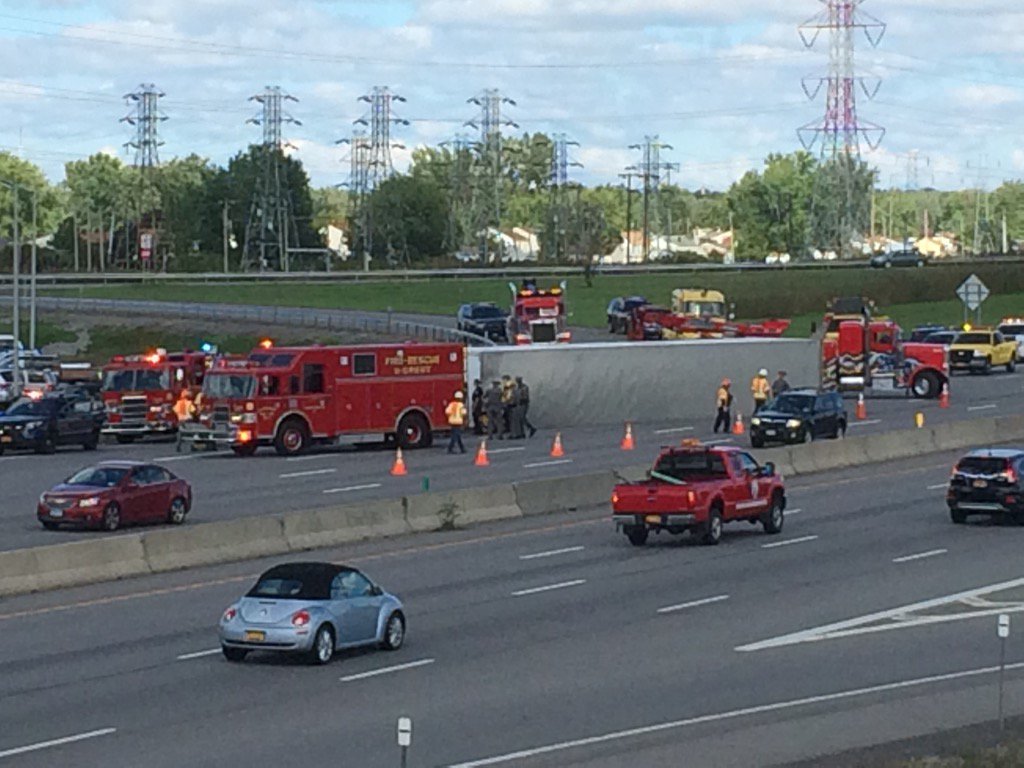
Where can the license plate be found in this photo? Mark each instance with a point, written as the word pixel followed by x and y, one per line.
pixel 770 432
pixel 6 439
pixel 981 484
pixel 656 519
pixel 252 636
pixel 56 512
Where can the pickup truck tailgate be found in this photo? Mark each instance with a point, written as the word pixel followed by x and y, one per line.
pixel 651 498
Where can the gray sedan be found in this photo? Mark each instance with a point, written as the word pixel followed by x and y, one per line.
pixel 312 609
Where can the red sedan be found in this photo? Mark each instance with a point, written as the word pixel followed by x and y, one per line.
pixel 116 493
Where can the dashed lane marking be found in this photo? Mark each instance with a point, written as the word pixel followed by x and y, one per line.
pixel 351 488
pixel 673 430
pixel 693 604
pixel 549 588
pixel 920 556
pixel 198 654
pixel 788 542
pixel 39 745
pixel 551 553
pixel 307 473
pixel 555 463
pixel 387 670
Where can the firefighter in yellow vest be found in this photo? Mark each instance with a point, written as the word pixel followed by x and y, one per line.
pixel 456 413
pixel 761 389
pixel 723 403
pixel 184 409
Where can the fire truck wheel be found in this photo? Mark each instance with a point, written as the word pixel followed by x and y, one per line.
pixel 125 439
pixel 292 438
pixel 414 431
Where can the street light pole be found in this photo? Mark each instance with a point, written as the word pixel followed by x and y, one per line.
pixel 35 262
pixel 16 315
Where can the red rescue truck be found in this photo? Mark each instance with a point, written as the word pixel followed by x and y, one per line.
pixel 139 391
pixel 538 316
pixel 294 397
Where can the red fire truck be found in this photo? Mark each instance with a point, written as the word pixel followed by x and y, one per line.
pixel 139 391
pixel 294 397
pixel 538 316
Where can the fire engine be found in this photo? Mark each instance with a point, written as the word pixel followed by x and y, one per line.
pixel 294 397
pixel 861 354
pixel 139 391
pixel 538 316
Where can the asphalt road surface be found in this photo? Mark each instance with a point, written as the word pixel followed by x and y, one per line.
pixel 227 487
pixel 553 642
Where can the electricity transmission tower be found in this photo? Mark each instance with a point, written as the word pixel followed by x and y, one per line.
pixel 461 185
pixel 840 131
pixel 649 170
pixel 379 121
pixel 559 181
pixel 358 186
pixel 145 117
pixel 489 124
pixel 270 227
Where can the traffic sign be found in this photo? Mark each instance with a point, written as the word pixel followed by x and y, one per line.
pixel 1003 626
pixel 973 292
pixel 404 731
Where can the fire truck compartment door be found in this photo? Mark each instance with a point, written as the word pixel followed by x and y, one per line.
pixel 354 406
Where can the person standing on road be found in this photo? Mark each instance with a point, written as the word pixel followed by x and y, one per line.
pixel 724 405
pixel 515 419
pixel 492 405
pixel 524 405
pixel 507 398
pixel 456 413
pixel 780 385
pixel 184 410
pixel 477 404
pixel 760 389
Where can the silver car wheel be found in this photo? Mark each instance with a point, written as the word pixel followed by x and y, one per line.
pixel 395 632
pixel 324 645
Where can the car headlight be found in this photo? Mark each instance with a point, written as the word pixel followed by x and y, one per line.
pixel 977 353
pixel 794 423
pixel 92 501
pixel 755 421
pixel 33 425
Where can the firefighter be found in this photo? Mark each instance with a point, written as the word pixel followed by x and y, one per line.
pixel 477 403
pixel 524 405
pixel 724 405
pixel 492 406
pixel 508 396
pixel 760 388
pixel 456 413
pixel 185 410
pixel 780 385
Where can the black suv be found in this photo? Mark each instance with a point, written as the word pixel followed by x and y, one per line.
pixel 45 423
pixel 620 310
pixel 798 416
pixel 987 482
pixel 483 319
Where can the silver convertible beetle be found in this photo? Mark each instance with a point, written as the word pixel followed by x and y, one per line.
pixel 312 609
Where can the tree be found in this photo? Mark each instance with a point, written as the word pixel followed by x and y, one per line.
pixel 407 217
pixel 841 206
pixel 49 202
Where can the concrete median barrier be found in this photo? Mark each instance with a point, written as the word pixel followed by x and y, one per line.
pixel 439 511
pixel 68 565
pixel 342 525
pixel 209 543
pixel 564 494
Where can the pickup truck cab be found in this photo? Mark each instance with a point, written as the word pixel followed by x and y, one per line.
pixel 696 488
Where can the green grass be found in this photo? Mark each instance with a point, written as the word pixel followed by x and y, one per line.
pixel 782 293
pixel 46 332
pixel 1007 756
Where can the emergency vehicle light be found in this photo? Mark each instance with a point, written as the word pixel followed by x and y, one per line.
pixel 967 327
pixel 267 343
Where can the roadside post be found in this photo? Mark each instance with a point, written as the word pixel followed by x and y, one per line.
pixel 972 292
pixel 1003 629
pixel 405 738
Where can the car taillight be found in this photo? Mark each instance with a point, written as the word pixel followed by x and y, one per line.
pixel 300 619
pixel 229 614
pixel 691 497
pixel 1010 476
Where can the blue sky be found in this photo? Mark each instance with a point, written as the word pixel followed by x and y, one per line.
pixel 719 81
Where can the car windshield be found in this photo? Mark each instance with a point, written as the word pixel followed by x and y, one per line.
pixel 1012 330
pixel 98 477
pixel 701 308
pixel 940 338
pixel 974 338
pixel 486 312
pixel 31 408
pixel 691 466
pixel 982 465
pixel 136 380
pixel 228 385
pixel 792 404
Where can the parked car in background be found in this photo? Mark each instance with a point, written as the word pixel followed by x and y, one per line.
pixel 899 259
pixel 620 310
pixel 483 319
pixel 1012 329
pixel 922 332
pixel 798 416
pixel 47 422
pixel 112 494
pixel 941 337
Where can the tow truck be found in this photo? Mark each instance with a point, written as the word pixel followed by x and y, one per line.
pixel 698 313
pixel 865 354
pixel 697 488
pixel 139 391
pixel 538 315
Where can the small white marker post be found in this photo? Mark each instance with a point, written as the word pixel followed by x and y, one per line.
pixel 1003 629
pixel 405 737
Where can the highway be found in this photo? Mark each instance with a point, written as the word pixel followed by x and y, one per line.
pixel 552 642
pixel 227 487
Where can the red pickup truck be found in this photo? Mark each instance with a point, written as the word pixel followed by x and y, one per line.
pixel 697 488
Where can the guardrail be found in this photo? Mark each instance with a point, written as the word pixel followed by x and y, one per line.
pixel 468 273
pixel 296 317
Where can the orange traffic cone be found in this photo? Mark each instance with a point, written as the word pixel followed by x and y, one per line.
pixel 737 427
pixel 556 447
pixel 627 441
pixel 944 397
pixel 398 468
pixel 862 409
pixel 481 459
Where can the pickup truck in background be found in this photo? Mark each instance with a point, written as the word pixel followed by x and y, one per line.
pixel 698 488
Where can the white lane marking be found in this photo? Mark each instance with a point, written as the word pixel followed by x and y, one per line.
pixel 989 407
pixel 787 542
pixel 937 486
pixel 793 511
pixel 387 670
pixel 57 742
pixel 673 430
pixel 198 654
pixel 504 450
pixel 549 587
pixel 722 441
pixel 734 715
pixel 920 556
pixel 865 423
pixel 307 473
pixel 693 604
pixel 314 457
pixel 551 553
pixel 188 457
pixel 350 488
pixel 857 625
pixel 547 463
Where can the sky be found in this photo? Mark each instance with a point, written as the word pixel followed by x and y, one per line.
pixel 722 82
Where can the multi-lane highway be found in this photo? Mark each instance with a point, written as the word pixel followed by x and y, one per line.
pixel 228 487
pixel 553 642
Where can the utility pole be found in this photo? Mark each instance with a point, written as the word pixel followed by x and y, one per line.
pixel 225 229
pixel 558 178
pixel 146 118
pixel 270 212
pixel 1006 240
pixel 78 236
pixel 489 123
pixel 35 263
pixel 16 282
pixel 628 176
